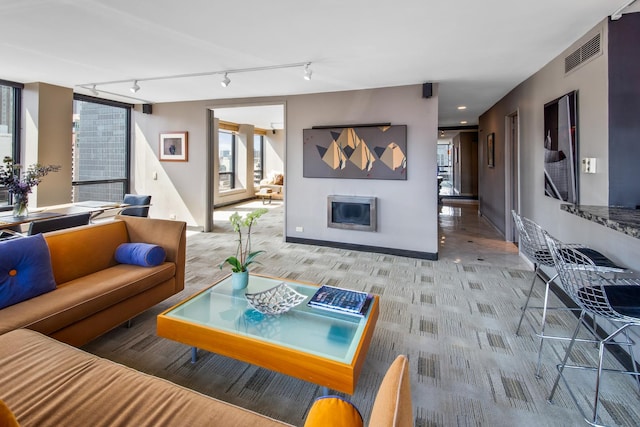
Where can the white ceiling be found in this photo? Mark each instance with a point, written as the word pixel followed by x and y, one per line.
pixel 477 51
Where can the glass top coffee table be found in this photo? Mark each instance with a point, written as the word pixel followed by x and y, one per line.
pixel 318 346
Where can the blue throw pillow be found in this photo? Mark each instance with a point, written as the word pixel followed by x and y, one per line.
pixel 25 269
pixel 143 254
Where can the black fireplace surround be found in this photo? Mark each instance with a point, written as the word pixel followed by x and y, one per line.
pixel 352 212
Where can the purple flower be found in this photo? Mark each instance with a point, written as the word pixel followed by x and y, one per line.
pixel 21 184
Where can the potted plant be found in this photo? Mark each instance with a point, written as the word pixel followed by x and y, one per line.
pixel 20 184
pixel 244 257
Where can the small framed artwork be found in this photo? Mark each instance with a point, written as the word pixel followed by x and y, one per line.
pixel 174 147
pixel 491 153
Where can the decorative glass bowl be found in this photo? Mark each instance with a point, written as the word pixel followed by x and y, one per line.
pixel 277 300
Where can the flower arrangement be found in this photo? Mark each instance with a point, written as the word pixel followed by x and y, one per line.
pixel 244 257
pixel 20 185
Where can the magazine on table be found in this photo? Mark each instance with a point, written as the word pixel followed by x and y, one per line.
pixel 341 300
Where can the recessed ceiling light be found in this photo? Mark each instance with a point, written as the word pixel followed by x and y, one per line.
pixel 463 122
pixel 462 107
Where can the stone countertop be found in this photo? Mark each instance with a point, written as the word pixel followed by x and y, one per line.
pixel 624 220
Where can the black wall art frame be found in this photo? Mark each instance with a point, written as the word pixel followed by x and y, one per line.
pixel 561 148
pixel 359 152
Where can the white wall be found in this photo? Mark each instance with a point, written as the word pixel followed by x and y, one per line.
pixel 407 210
pixel 274 152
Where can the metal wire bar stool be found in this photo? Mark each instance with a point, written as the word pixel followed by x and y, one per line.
pixel 612 297
pixel 534 246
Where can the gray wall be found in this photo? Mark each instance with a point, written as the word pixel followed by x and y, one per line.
pixel 591 81
pixel 624 111
pixel 466 170
pixel 407 210
pixel 180 187
pixel 180 190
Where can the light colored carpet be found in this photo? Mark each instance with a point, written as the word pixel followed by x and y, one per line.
pixel 454 320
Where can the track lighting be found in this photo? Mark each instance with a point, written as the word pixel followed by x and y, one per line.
pixel 307 71
pixel 226 81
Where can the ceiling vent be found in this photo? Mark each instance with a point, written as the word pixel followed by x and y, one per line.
pixel 589 50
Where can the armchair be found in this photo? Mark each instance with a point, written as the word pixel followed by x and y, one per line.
pixel 141 202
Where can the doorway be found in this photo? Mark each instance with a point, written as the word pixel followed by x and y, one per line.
pixel 246 147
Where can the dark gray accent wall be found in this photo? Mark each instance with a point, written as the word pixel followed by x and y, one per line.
pixel 624 111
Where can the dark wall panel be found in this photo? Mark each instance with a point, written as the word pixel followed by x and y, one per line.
pixel 624 111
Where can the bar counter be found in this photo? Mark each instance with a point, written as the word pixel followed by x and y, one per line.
pixel 624 220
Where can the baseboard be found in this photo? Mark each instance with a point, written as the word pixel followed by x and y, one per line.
pixel 234 202
pixel 365 248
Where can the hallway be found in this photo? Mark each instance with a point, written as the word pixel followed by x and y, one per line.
pixel 466 237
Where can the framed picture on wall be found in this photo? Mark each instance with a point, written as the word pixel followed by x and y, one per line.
pixel 359 152
pixel 174 147
pixel 561 148
pixel 491 152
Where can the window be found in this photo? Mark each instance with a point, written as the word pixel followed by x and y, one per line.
pixel 101 143
pixel 10 96
pixel 258 158
pixel 227 156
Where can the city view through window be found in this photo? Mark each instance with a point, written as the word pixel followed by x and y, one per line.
pixel 228 159
pixel 7 125
pixel 100 151
pixel 227 156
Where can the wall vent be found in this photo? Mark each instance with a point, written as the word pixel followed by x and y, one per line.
pixel 589 50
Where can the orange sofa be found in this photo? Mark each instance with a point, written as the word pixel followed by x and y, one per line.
pixel 48 383
pixel 94 293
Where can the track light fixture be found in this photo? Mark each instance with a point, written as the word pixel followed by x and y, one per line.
pixel 94 91
pixel 307 71
pixel 225 82
pixel 135 87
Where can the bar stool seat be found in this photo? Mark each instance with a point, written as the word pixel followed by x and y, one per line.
pixel 612 297
pixel 534 246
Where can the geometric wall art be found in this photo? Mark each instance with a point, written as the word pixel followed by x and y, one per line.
pixel 363 152
pixel 561 148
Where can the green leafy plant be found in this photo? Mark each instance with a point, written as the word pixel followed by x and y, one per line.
pixel 244 257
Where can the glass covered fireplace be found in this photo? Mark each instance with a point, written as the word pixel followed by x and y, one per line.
pixel 352 213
